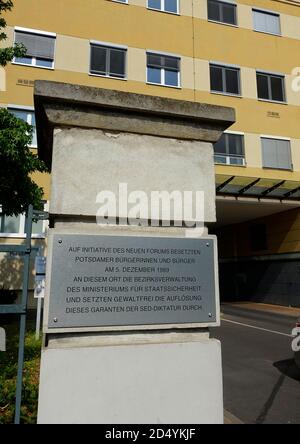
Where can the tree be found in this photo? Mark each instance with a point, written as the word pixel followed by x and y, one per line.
pixel 17 161
pixel 18 50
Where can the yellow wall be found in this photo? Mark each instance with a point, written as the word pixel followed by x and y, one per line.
pixel 197 42
pixel 283 236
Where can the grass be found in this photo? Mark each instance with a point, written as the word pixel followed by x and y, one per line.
pixel 8 374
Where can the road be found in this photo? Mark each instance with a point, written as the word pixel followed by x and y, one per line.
pixel 261 381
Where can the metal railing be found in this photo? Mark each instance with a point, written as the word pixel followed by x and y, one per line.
pixel 25 250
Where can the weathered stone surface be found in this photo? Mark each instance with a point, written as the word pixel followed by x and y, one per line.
pixel 59 104
pixel 86 162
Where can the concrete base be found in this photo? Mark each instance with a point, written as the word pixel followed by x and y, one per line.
pixel 130 382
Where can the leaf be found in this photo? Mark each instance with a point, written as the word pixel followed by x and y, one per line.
pixel 17 163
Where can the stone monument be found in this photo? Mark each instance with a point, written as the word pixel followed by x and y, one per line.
pixel 132 277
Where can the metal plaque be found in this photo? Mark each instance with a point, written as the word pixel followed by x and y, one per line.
pixel 101 281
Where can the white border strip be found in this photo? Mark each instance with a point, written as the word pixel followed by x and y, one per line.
pixel 35 31
pixel 21 107
pixel 265 136
pixel 109 44
pixel 162 53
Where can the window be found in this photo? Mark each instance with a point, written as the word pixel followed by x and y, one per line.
pixel 29 117
pixel 268 22
pixel 258 237
pixel 108 61
pixel 225 79
pixel 229 150
pixel 164 5
pixel 40 49
pixel 9 224
pixel 14 226
pixel 163 70
pixel 276 153
pixel 222 12
pixel 270 87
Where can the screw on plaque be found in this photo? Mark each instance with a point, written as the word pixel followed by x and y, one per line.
pixel 209 315
pixel 208 244
pixel 55 320
pixel 59 241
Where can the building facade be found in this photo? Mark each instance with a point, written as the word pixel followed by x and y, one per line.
pixel 242 54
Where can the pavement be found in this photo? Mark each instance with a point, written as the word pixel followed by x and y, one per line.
pixel 265 308
pixel 261 380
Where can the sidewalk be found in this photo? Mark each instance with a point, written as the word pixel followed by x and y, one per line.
pixel 267 308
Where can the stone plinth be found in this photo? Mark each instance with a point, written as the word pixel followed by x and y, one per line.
pixel 96 140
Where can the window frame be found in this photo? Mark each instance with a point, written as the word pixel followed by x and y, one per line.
pixel 28 109
pixel 227 156
pixel 163 70
pixel 162 9
pixel 267 12
pixel 224 67
pixel 108 46
pixel 21 233
pixel 221 2
pixel 269 75
pixel 282 139
pixel 33 63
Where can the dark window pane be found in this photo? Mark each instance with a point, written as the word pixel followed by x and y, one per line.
pixel 216 83
pixel 153 75
pixel 46 63
pixel 220 146
pixel 171 78
pixel 98 60
pixel 155 61
pixel 235 144
pixel 117 63
pixel 220 159
pixel 171 5
pixel 236 161
pixel 171 63
pixel 277 89
pixel 262 86
pixel 155 4
pixel 214 11
pixel 25 60
pixel 161 61
pixel 232 81
pixel 228 15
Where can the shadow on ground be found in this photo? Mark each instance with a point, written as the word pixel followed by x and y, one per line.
pixel 288 368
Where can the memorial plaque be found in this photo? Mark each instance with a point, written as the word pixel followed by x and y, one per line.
pixel 104 281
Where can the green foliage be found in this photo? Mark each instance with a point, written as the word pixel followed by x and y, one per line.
pixel 8 373
pixel 17 162
pixel 18 50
